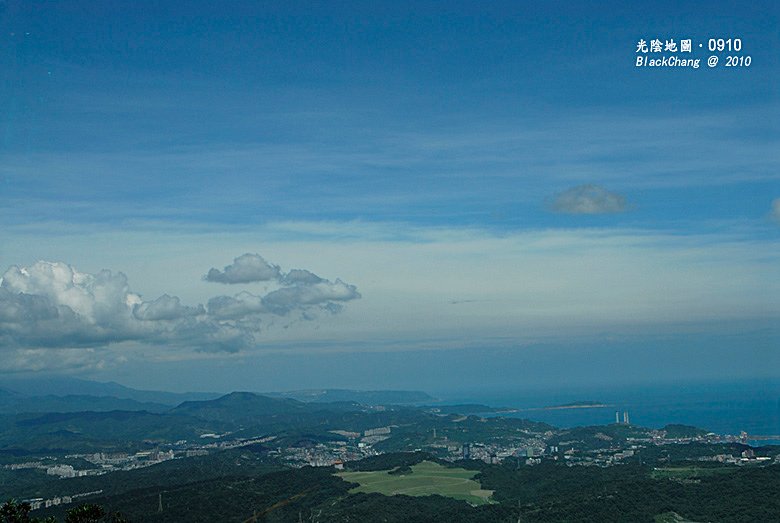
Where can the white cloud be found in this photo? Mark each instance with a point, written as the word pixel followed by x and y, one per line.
pixel 53 306
pixel 234 307
pixel 301 276
pixel 303 296
pixel 91 296
pixel 300 290
pixel 18 307
pixel 325 294
pixel 247 268
pixel 588 199
pixel 165 308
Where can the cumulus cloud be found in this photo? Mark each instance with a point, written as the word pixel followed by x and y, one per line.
pixel 324 294
pixel 234 307
pixel 21 306
pixel 588 199
pixel 308 294
pixel 776 210
pixel 51 306
pixel 301 276
pixel 247 268
pixel 165 308
pixel 300 290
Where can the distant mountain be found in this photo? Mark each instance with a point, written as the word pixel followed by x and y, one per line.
pixel 68 386
pixel 240 407
pixel 16 404
pixel 239 415
pixel 92 431
pixel 364 397
pixel 65 386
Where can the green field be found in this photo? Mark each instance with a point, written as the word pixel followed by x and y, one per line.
pixel 425 479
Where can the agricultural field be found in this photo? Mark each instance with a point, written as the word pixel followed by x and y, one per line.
pixel 425 479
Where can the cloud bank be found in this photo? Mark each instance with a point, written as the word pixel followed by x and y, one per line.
pixel 54 306
pixel 588 199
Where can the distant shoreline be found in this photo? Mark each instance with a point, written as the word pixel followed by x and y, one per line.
pixel 583 405
pixel 579 405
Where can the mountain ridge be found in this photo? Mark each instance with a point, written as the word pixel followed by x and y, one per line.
pixel 70 386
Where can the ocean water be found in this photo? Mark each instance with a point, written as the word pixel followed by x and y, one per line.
pixel 720 407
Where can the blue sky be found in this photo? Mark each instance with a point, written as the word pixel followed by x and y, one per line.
pixel 480 179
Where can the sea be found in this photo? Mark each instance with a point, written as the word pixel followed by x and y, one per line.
pixel 722 407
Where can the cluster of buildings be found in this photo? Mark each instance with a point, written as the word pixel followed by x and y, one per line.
pixel 66 471
pixel 61 470
pixel 104 463
pixel 748 457
pixel 329 454
pixel 496 452
pixel 599 457
pixel 358 445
